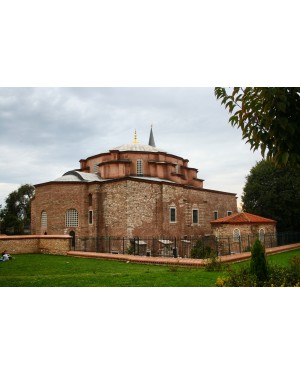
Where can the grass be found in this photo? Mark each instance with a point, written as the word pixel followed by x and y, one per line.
pixel 31 270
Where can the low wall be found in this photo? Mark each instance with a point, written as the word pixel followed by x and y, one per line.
pixel 47 244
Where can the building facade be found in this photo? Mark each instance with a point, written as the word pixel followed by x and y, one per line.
pixel 240 230
pixel 133 190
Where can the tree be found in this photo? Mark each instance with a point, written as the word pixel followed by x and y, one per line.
pixel 258 262
pixel 16 213
pixel 274 192
pixel 269 118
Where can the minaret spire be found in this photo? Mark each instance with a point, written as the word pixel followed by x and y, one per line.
pixel 135 139
pixel 151 139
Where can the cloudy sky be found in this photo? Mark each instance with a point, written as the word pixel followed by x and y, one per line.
pixel 46 131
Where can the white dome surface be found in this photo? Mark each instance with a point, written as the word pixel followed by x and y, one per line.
pixel 137 147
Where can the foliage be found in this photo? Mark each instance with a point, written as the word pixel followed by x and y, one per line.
pixel 278 276
pixel 263 274
pixel 269 118
pixel 200 251
pixel 258 263
pixel 130 250
pixel 269 190
pixel 214 263
pixel 16 213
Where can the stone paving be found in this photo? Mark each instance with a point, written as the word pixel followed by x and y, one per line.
pixel 177 261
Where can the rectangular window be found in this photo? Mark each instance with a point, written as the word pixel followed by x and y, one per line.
pixel 139 168
pixel 195 216
pixel 90 217
pixel 216 215
pixel 172 215
pixel 229 213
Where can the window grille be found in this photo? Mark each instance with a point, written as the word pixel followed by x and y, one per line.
pixel 139 168
pixel 236 235
pixel 72 218
pixel 44 219
pixel 95 168
pixel 261 235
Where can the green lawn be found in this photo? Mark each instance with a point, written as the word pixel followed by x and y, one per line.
pixel 52 270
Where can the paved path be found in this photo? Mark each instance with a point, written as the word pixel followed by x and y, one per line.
pixel 177 261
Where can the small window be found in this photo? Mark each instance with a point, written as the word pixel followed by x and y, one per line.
pixel 71 218
pixel 229 213
pixel 172 215
pixel 139 168
pixel 236 235
pixel 216 215
pixel 195 215
pixel 90 200
pixel 90 217
pixel 44 220
pixel 95 168
pixel 261 235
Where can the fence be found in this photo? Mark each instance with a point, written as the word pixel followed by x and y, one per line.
pixel 184 247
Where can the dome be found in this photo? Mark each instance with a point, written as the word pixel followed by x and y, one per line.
pixel 76 176
pixel 137 147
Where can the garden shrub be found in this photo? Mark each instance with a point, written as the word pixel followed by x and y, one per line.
pixel 278 276
pixel 214 263
pixel 258 263
pixel 199 251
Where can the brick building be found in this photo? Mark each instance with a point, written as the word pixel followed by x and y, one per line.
pixel 131 190
pixel 241 230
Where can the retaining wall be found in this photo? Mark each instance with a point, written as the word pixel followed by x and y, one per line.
pixel 47 244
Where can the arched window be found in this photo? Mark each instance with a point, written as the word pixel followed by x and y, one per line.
pixel 44 220
pixel 71 218
pixel 261 234
pixel 236 235
pixel 139 167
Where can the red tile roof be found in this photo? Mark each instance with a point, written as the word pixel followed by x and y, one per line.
pixel 243 218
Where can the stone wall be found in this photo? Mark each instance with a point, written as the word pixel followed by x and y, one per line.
pixel 128 207
pixel 35 244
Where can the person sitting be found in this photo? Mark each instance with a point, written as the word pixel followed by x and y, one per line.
pixel 6 256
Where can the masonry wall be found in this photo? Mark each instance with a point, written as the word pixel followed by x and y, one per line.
pixel 226 230
pixel 35 244
pixel 128 208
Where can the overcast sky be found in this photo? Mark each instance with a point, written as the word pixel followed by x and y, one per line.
pixel 46 131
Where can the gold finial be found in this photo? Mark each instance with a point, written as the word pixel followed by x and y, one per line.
pixel 135 139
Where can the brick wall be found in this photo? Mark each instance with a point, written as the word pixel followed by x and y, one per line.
pixel 35 244
pixel 128 207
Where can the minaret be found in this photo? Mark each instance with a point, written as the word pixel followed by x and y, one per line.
pixel 151 139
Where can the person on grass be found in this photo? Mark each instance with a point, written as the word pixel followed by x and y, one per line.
pixel 6 256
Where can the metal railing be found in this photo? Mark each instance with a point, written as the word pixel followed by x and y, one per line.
pixel 184 247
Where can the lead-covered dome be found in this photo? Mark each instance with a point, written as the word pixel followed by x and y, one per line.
pixel 137 147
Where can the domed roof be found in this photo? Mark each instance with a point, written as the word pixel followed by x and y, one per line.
pixel 137 147
pixel 75 176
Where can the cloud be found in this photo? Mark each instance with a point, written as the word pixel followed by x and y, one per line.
pixel 46 131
